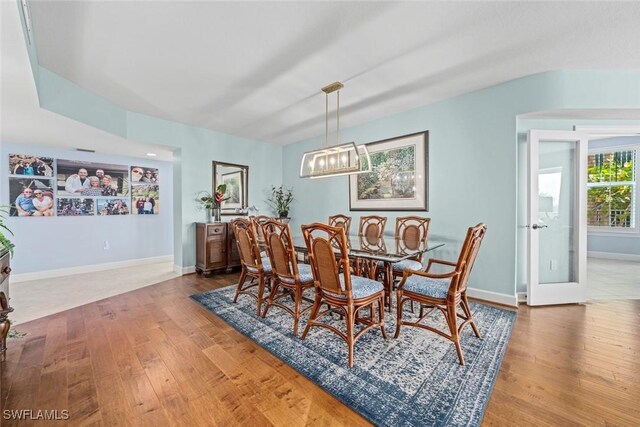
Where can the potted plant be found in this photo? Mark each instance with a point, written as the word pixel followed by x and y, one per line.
pixel 5 243
pixel 212 203
pixel 281 198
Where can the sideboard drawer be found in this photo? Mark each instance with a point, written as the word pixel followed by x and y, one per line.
pixel 213 230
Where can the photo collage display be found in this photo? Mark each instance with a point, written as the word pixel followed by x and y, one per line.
pixel 42 186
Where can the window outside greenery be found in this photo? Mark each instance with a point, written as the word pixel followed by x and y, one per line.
pixel 611 189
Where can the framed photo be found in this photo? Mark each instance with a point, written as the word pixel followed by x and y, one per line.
pixel 142 175
pixel 76 206
pixel 234 183
pixel 145 199
pixel 31 196
pixel 112 207
pixel 25 164
pixel 88 179
pixel 399 177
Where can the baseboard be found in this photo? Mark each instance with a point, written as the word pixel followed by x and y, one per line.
pixel 504 299
pixel 613 255
pixel 522 297
pixel 178 269
pixel 38 275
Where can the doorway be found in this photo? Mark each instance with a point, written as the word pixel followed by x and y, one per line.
pixel 556 217
pixel 613 242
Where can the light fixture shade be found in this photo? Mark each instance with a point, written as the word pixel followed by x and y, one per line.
pixel 343 159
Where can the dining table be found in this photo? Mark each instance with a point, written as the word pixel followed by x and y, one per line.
pixel 371 255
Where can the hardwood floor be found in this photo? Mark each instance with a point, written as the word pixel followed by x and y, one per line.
pixel 154 357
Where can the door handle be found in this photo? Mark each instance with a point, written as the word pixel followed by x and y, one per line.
pixel 536 226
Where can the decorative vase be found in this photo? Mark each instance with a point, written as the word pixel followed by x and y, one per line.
pixel 216 214
pixel 284 214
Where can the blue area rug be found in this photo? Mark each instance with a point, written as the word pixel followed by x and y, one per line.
pixel 414 380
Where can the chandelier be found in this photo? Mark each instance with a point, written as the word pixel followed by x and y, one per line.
pixel 338 159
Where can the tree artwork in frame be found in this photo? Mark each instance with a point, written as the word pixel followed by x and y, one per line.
pixel 399 177
pixel 234 183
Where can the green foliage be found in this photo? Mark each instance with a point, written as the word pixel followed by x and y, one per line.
pixel 211 201
pixel 610 205
pixel 208 201
pixel 4 240
pixel 611 167
pixel 280 199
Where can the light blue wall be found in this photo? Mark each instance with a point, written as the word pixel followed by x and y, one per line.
pixel 194 150
pixel 197 149
pixel 473 160
pixel 68 99
pixel 50 243
pixel 473 157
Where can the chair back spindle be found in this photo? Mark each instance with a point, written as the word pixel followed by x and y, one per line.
pixel 468 254
pixel 341 221
pixel 411 233
pixel 322 243
pixel 372 226
pixel 247 243
pixel 326 263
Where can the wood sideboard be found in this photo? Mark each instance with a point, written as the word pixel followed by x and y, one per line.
pixel 216 247
pixel 5 308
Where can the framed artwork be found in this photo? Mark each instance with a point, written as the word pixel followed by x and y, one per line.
pixel 399 177
pixel 145 199
pixel 43 186
pixel 25 164
pixel 112 207
pixel 234 183
pixel 76 206
pixel 88 179
pixel 31 196
pixel 143 175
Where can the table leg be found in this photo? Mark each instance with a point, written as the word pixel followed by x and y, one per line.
pixel 4 331
pixel 388 282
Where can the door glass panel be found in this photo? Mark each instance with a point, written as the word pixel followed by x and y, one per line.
pixel 556 211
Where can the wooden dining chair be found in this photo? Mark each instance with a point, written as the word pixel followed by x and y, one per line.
pixel 336 287
pixel 372 226
pixel 254 266
pixel 411 234
pixel 257 222
pixel 370 231
pixel 289 277
pixel 340 220
pixel 444 292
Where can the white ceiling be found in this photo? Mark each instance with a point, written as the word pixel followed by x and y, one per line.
pixel 255 69
pixel 22 120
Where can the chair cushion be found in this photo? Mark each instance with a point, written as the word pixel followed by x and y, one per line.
pixel 361 287
pixel 407 264
pixel 306 276
pixel 266 266
pixel 435 288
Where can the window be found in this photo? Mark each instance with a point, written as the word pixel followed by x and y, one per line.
pixel 612 189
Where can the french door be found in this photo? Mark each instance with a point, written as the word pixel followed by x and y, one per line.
pixel 557 217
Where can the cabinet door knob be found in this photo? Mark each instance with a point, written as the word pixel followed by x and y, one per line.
pixel 6 270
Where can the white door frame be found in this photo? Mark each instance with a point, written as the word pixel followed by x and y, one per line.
pixel 569 292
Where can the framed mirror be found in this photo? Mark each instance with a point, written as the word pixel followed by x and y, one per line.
pixel 236 178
